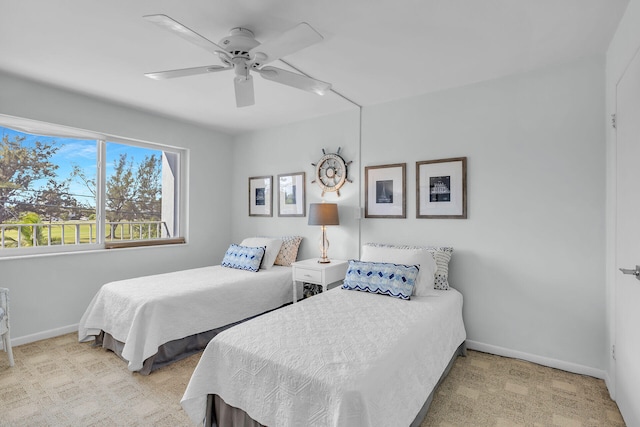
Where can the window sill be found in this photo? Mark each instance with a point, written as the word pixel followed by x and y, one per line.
pixel 138 243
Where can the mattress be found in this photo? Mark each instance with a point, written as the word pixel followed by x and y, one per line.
pixel 341 358
pixel 147 312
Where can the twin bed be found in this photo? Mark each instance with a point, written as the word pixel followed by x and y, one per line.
pixel 346 357
pixel 155 320
pixel 341 358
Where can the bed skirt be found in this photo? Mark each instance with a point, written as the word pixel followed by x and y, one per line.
pixel 219 414
pixel 169 352
pixel 460 351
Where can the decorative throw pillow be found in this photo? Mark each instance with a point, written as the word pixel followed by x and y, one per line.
pixel 441 255
pixel 289 250
pixel 395 280
pixel 272 244
pixel 413 256
pixel 243 257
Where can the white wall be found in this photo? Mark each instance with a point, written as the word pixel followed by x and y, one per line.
pixel 50 293
pixel 623 47
pixel 290 149
pixel 529 258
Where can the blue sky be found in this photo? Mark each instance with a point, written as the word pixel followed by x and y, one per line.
pixel 81 153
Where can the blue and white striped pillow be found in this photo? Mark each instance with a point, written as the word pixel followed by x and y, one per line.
pixel 243 257
pixel 395 280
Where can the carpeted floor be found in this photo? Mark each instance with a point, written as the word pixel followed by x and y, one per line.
pixel 487 390
pixel 60 382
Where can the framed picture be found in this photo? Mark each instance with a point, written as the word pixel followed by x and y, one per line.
pixel 385 191
pixel 441 188
pixel 260 195
pixel 291 193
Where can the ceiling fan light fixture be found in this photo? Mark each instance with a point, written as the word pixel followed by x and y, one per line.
pixel 242 52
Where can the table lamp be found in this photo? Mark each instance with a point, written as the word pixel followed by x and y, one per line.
pixel 323 214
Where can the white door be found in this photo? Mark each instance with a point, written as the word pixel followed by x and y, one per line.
pixel 627 292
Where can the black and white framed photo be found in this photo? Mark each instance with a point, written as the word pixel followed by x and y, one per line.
pixel 385 191
pixel 291 194
pixel 260 195
pixel 441 188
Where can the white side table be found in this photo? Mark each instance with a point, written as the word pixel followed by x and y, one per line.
pixel 311 271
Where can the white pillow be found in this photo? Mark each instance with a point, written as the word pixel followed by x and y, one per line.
pixel 441 255
pixel 415 256
pixel 273 247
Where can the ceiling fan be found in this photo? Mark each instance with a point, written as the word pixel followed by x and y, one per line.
pixel 242 53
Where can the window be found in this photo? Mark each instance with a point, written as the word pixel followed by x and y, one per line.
pixel 64 189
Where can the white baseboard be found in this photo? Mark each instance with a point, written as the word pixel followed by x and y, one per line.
pixel 540 360
pixel 608 380
pixel 43 335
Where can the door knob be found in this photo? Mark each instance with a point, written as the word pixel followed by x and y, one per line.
pixel 635 272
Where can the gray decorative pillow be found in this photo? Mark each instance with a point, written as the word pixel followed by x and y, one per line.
pixel 441 255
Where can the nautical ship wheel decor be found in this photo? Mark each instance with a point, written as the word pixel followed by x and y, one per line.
pixel 331 172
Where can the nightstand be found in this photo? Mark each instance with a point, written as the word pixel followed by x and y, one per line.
pixel 311 271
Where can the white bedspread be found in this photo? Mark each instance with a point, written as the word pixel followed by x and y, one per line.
pixel 341 358
pixel 146 312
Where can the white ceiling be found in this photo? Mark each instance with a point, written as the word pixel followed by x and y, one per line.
pixel 373 50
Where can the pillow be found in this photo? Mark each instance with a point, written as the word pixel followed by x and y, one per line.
pixel 243 257
pixel 395 280
pixel 413 256
pixel 271 243
pixel 289 250
pixel 441 255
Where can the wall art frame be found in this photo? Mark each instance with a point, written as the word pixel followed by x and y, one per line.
pixel 260 196
pixel 441 188
pixel 291 194
pixel 385 192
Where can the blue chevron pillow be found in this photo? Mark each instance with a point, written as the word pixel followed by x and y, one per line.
pixel 395 280
pixel 243 257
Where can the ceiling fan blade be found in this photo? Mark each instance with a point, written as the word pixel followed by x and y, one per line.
pixel 244 91
pixel 173 26
pixel 295 80
pixel 183 72
pixel 293 40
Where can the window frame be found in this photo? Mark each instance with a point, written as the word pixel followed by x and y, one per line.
pixel 180 188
